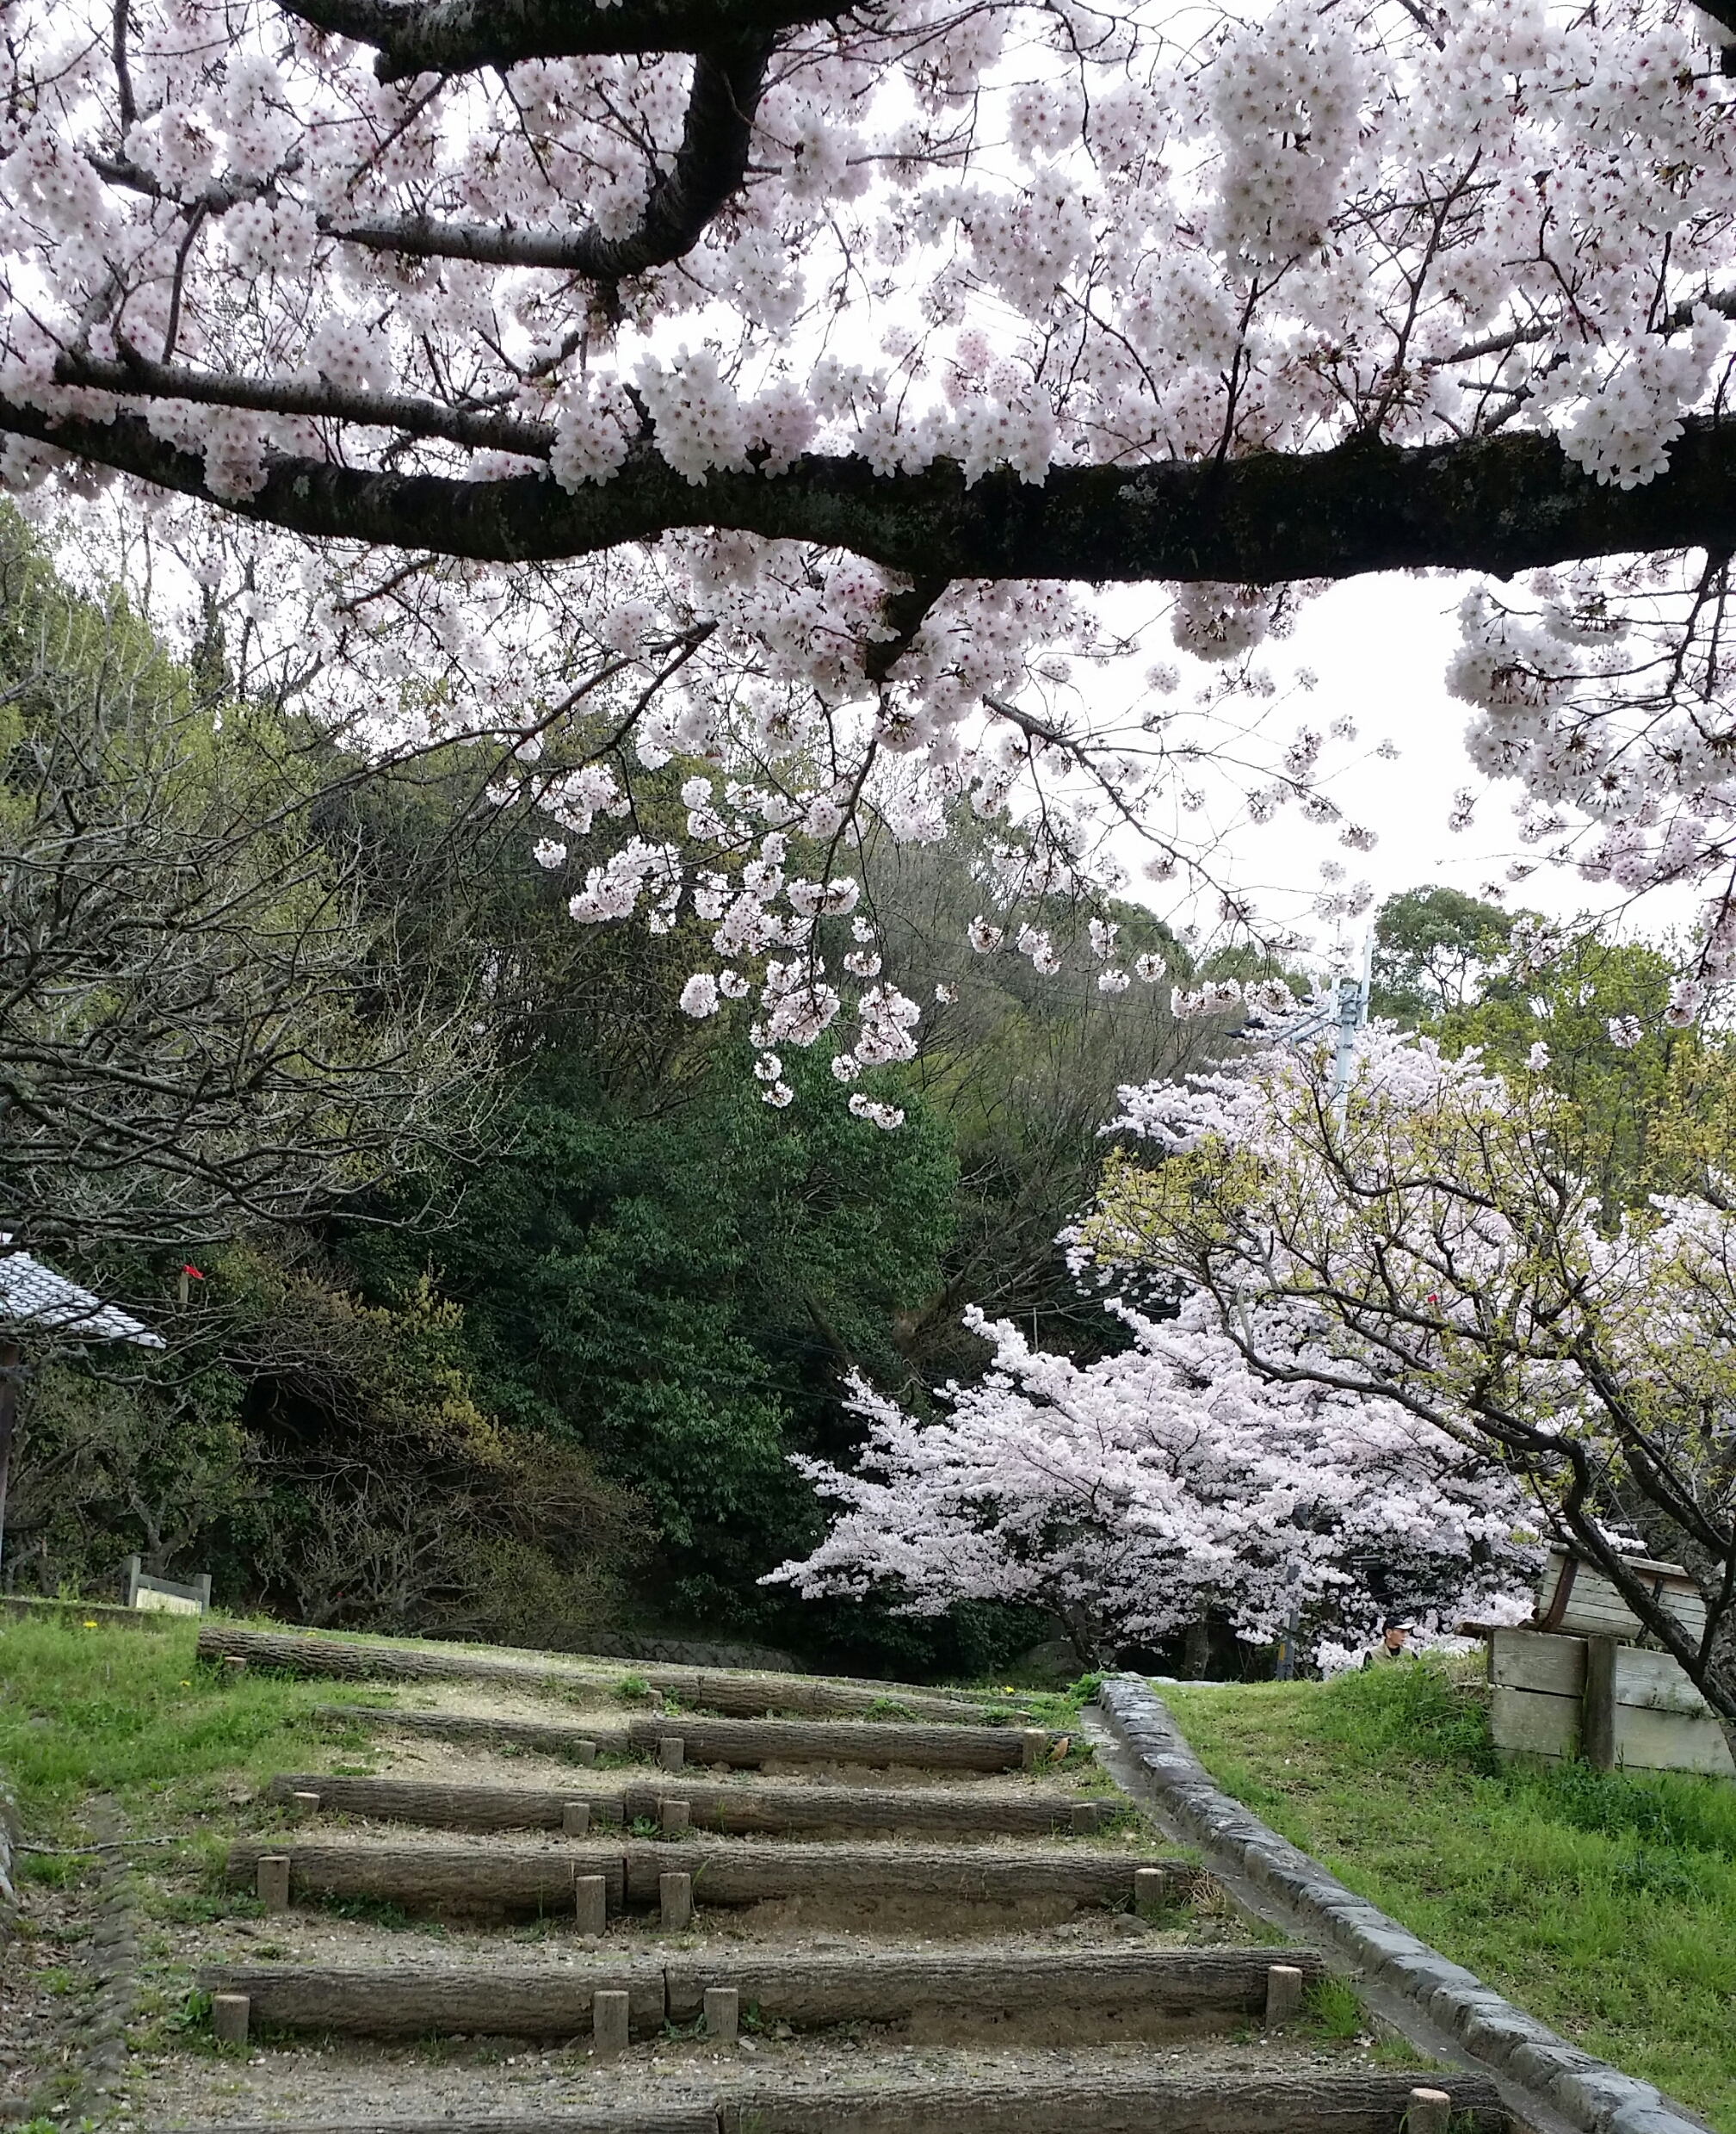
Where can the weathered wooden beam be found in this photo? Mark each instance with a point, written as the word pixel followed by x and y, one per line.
pixel 750 1743
pixel 765 1810
pixel 418 2000
pixel 746 1744
pixel 1598 1714
pixel 502 1878
pixel 810 1991
pixel 739 1872
pixel 1121 2100
pixel 736 1695
pixel 553 1737
pixel 1330 2100
pixel 514 1879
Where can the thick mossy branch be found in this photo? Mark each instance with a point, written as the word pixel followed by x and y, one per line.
pixel 1499 505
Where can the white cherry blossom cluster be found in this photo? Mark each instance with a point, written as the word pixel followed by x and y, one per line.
pixel 1132 1494
pixel 1127 247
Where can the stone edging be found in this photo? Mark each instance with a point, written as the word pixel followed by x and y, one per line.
pixel 1586 2092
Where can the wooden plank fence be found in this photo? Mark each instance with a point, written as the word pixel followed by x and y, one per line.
pixel 1559 1696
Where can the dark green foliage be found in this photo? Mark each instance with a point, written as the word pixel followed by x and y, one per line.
pixel 682 1293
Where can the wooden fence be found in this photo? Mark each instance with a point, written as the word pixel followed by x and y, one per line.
pixel 1615 1705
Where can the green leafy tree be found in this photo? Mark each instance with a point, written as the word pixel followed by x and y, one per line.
pixel 1434 947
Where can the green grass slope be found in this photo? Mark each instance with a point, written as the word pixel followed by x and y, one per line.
pixel 1604 1903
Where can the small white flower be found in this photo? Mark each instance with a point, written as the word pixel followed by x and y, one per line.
pixel 699 996
pixel 548 852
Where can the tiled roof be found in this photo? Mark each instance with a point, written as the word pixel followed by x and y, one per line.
pixel 34 1295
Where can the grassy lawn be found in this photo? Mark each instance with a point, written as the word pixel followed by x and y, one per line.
pixel 1603 1903
pixel 133 1714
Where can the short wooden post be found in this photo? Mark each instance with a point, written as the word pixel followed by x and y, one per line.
pixel 1150 1891
pixel 1085 1819
pixel 302 1806
pixel 129 1581
pixel 1032 1746
pixel 272 1882
pixel 675 1818
pixel 1283 1996
pixel 608 2018
pixel 575 1819
pixel 591 1903
pixel 202 1585
pixel 1597 1712
pixel 229 2017
pixel 723 2013
pixel 1427 2112
pixel 234 1666
pixel 671 1751
pixel 582 1753
pixel 675 1899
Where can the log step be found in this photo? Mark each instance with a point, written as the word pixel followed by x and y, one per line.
pixel 768 1810
pixel 1111 1993
pixel 507 1878
pixel 738 1696
pixel 744 1744
pixel 1122 2099
pixel 1115 1989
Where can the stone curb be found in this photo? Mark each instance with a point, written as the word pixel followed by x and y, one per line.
pixel 1588 2093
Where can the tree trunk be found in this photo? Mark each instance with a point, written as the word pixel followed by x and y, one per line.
pixel 9 1417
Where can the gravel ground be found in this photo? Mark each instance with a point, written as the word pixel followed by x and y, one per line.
pixel 349 2082
pixel 44 1994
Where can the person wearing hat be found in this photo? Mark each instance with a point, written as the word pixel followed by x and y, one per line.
pixel 1394 1643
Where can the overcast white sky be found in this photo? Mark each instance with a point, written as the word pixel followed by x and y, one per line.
pixel 1379 648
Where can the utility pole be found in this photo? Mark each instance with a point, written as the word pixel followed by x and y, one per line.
pixel 1343 1007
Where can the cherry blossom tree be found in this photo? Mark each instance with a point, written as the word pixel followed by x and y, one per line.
pixel 1430 1232
pixel 1132 1495
pixel 765 385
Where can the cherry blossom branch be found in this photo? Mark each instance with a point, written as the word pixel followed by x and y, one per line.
pixel 708 170
pixel 1500 505
pixel 137 375
pixel 459 36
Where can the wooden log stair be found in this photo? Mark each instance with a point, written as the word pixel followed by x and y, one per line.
pixel 931 1917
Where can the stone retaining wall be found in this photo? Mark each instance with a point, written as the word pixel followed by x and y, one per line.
pixel 1586 2092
